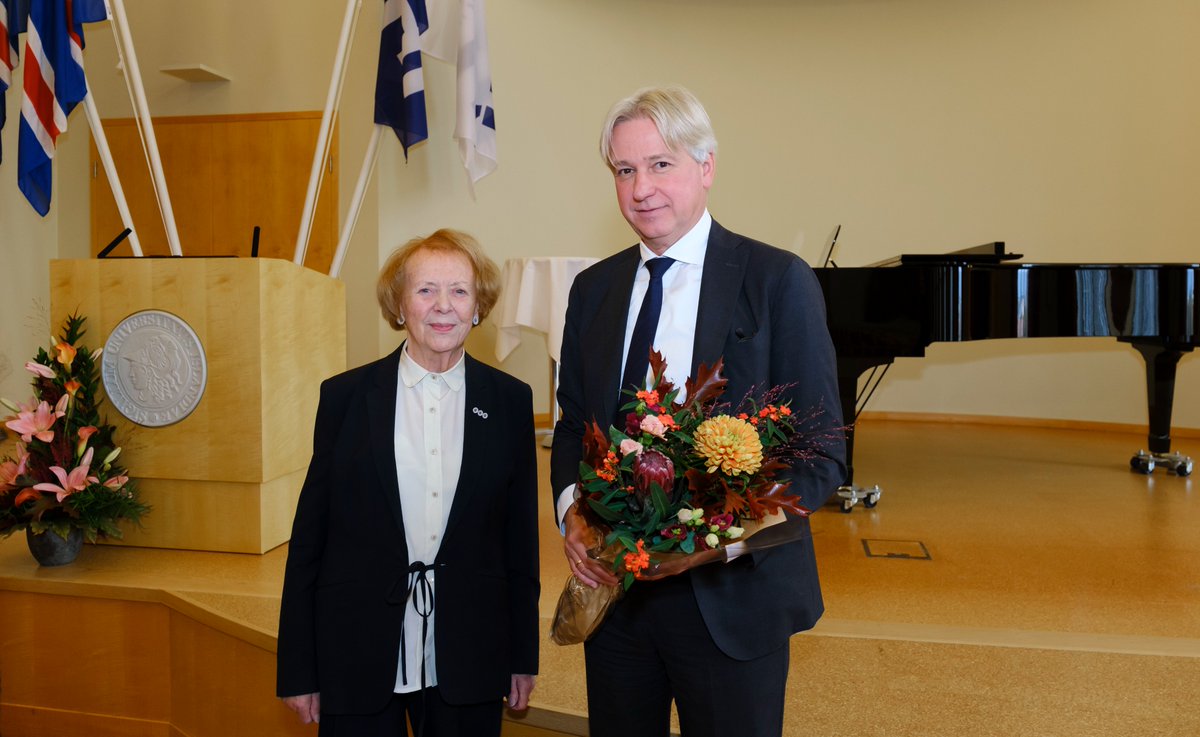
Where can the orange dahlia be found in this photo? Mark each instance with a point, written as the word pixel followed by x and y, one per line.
pixel 729 445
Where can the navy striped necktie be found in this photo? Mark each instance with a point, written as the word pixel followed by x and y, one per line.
pixel 637 362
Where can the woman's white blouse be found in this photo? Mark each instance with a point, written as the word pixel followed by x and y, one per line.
pixel 428 442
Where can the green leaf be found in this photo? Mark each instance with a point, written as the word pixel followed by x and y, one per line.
pixel 689 543
pixel 628 581
pixel 605 513
pixel 661 503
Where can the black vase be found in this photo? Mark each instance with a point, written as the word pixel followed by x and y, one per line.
pixel 50 549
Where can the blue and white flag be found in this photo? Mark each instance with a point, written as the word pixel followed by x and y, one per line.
pixel 475 128
pixel 399 84
pixel 54 85
pixel 458 32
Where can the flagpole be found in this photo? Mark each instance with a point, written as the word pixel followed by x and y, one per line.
pixel 360 191
pixel 110 169
pixel 331 102
pixel 133 77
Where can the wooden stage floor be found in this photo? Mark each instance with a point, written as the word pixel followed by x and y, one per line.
pixel 1011 581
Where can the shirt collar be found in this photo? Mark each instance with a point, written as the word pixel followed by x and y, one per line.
pixel 689 249
pixel 411 373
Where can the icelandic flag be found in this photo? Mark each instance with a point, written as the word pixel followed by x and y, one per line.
pixel 466 43
pixel 54 85
pixel 12 23
pixel 399 84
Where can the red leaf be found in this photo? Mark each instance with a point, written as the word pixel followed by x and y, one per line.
pixel 658 369
pixel 708 384
pixel 595 445
pixel 772 497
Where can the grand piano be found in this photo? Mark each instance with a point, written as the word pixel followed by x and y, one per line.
pixel 898 307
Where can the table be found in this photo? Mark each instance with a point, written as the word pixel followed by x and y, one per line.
pixel 534 295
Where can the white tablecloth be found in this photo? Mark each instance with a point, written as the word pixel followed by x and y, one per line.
pixel 534 295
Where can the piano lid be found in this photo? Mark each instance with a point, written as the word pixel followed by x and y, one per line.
pixel 987 253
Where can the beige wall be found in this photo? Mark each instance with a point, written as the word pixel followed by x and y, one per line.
pixel 1066 129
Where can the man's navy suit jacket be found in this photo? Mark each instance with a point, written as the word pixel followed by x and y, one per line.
pixel 761 309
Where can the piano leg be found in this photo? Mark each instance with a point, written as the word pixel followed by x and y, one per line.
pixel 849 369
pixel 1161 361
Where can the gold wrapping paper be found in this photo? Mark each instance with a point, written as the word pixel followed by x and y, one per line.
pixel 581 609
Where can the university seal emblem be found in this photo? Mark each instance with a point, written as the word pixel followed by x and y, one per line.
pixel 153 368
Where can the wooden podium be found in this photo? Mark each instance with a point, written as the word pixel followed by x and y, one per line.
pixel 227 476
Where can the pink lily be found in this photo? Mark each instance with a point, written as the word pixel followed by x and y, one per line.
pixel 76 480
pixel 36 368
pixel 36 422
pixel 11 470
pixel 116 482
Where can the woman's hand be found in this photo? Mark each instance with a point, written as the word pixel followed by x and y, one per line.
pixel 518 697
pixel 307 706
pixel 578 541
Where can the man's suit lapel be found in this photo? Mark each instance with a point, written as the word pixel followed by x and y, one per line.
pixel 724 270
pixel 381 430
pixel 607 337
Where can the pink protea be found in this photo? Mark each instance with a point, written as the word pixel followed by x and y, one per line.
pixel 652 467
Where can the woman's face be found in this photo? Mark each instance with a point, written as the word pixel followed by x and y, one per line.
pixel 438 304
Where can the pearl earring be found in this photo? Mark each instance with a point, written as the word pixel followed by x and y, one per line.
pixel 475 320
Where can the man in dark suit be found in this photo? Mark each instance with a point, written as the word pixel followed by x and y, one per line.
pixel 714 640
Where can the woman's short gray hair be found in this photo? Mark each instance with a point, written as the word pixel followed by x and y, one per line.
pixel 680 118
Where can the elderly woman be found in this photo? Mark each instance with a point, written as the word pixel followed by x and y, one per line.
pixel 412 576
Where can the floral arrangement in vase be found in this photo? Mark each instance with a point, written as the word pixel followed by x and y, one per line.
pixel 64 478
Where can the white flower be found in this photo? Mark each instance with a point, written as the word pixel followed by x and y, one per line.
pixel 735 532
pixel 630 446
pixel 711 540
pixel 685 515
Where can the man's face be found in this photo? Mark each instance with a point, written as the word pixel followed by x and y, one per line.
pixel 662 192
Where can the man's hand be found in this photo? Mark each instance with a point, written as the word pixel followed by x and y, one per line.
pixel 522 687
pixel 580 539
pixel 307 706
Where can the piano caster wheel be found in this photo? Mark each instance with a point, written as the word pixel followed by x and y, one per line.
pixel 1142 463
pixel 852 495
pixel 1175 463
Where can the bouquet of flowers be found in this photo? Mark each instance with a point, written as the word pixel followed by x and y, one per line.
pixel 685 479
pixel 64 473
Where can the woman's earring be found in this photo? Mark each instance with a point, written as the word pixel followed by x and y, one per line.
pixel 400 321
pixel 475 320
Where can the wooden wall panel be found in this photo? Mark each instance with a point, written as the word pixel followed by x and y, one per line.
pixel 84 667
pixel 209 668
pixel 83 655
pixel 225 174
